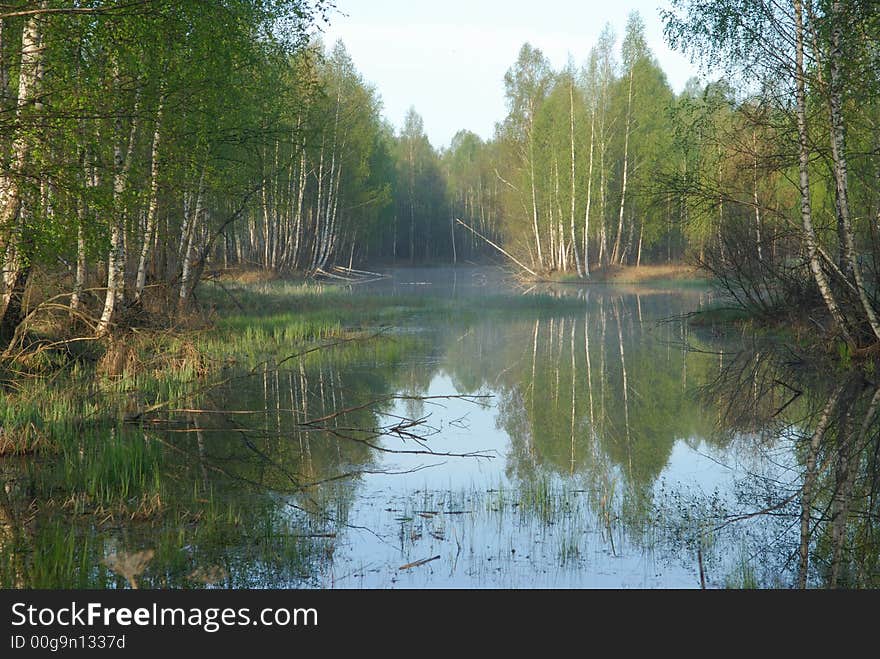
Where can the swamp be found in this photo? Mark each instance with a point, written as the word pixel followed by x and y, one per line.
pixel 605 320
pixel 455 430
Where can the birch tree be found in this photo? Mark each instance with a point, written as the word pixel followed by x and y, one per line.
pixel 526 85
pixel 15 238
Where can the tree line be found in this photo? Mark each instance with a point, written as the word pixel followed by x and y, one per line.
pixel 146 143
pixel 767 177
pixel 134 135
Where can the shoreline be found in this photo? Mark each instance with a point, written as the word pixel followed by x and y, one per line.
pixel 628 274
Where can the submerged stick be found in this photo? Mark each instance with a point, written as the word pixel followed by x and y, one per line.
pixel 418 563
pixel 362 272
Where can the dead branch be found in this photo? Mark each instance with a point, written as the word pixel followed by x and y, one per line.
pixel 500 249
pixel 418 563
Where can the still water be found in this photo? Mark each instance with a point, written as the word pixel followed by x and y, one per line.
pixel 587 437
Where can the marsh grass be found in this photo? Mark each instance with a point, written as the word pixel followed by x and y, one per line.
pixel 742 575
pixel 501 533
pixel 557 531
pixel 24 439
pixel 226 546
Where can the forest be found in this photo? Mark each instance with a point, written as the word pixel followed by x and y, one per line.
pixel 149 144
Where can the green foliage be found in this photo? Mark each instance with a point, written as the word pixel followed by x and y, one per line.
pixel 557 158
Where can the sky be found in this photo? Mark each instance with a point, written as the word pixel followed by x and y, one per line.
pixel 448 59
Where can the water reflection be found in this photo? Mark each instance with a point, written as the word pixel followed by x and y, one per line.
pixel 826 499
pixel 624 450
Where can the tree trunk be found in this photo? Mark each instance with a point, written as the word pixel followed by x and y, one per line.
pixel 4 64
pixel 757 203
pixel 574 242
pixel 320 205
pixel 849 264
pixel 264 197
pixel 615 253
pixel 152 210
pixel 452 234
pixel 187 280
pixel 15 243
pixel 276 232
pixel 589 196
pixel 115 258
pixel 719 235
pixel 804 182
pixel 16 279
pixel 639 251
pixel 80 277
pixel 298 217
pixel 412 195
pixel 115 296
pixel 534 201
pixel 603 232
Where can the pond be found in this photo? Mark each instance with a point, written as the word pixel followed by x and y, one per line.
pixel 520 437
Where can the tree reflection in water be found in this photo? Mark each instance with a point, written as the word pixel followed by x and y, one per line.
pixel 825 508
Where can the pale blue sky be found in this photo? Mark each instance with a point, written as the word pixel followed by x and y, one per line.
pixel 448 58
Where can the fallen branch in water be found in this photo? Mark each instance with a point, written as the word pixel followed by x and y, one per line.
pixel 418 563
pixel 377 275
pixel 348 275
pixel 385 399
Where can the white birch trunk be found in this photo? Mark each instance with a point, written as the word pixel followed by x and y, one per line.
pixel 804 181
pixel 16 271
pixel 114 298
pixel 838 152
pixel 152 210
pixel 574 242
pixel 188 257
pixel 589 196
pixel 615 253
pixel 79 281
pixel 534 201
pixel 318 210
